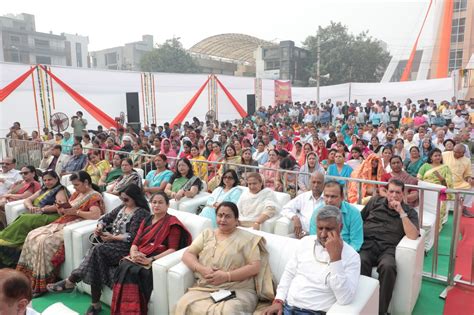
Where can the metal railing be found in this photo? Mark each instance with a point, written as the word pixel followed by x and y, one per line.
pixel 31 153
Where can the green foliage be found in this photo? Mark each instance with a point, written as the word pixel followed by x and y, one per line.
pixel 169 57
pixel 347 57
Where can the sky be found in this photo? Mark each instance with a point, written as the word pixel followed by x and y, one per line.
pixel 113 23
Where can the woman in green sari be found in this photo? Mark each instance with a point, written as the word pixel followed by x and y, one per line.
pixel 435 172
pixel 183 183
pixel 42 207
pixel 414 162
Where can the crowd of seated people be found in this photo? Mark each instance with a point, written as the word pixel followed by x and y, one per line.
pixel 268 153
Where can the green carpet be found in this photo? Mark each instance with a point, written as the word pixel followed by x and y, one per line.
pixel 76 301
pixel 443 249
pixel 429 301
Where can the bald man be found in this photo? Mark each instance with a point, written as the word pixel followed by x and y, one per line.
pixel 300 209
pixel 462 174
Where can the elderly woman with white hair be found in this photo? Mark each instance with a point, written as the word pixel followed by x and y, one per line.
pixel 257 204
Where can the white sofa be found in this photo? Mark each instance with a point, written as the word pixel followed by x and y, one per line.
pixel 159 300
pixel 16 208
pixel 191 204
pixel 180 277
pixel 409 256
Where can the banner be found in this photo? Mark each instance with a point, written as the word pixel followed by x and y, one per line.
pixel 282 92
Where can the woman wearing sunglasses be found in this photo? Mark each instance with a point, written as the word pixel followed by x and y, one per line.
pixel 115 232
pixel 20 190
pixel 228 190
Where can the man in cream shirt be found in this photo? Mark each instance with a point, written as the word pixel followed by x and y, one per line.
pixel 324 270
pixel 461 169
pixel 300 209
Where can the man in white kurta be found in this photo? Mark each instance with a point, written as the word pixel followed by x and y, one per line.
pixel 300 209
pixel 324 270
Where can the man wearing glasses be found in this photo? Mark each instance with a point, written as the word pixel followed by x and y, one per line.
pixel 8 175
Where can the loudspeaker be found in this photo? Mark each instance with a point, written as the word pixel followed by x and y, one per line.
pixel 250 104
pixel 133 110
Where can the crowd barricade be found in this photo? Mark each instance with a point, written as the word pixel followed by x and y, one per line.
pixel 30 153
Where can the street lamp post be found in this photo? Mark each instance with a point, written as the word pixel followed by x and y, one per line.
pixel 318 74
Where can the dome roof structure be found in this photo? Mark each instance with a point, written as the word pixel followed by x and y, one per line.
pixel 236 47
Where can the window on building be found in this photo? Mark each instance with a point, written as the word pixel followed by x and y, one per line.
pixel 41 43
pixel 79 54
pixel 457 31
pixel 43 60
pixel 460 5
pixel 111 59
pixel 272 65
pixel 15 40
pixel 455 59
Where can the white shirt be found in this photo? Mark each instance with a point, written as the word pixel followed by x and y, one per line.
pixel 311 282
pixel 459 122
pixel 302 206
pixel 30 311
pixel 10 177
pixel 439 145
pixel 408 144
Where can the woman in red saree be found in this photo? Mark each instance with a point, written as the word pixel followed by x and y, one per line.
pixel 158 235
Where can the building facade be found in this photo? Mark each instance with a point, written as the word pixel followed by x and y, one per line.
pixel 21 43
pixel 284 61
pixel 444 48
pixel 125 57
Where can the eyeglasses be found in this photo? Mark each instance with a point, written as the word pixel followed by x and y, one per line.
pixel 228 177
pixel 24 173
pixel 125 199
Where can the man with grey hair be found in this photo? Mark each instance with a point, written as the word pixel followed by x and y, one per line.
pixel 409 139
pixel 439 139
pixel 461 169
pixel 323 270
pixel 300 209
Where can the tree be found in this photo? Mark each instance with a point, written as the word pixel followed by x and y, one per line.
pixel 345 57
pixel 169 57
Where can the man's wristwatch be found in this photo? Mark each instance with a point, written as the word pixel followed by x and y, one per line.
pixel 403 215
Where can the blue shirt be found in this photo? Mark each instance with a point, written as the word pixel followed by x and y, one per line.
pixel 75 163
pixel 345 172
pixel 352 227
pixel 66 145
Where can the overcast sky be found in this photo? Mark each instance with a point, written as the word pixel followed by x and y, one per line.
pixel 113 23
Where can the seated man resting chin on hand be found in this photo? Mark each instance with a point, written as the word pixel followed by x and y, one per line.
pixel 324 270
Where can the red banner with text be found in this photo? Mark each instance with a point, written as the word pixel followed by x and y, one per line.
pixel 282 92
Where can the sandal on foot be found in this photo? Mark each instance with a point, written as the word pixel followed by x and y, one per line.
pixel 59 287
pixel 93 311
